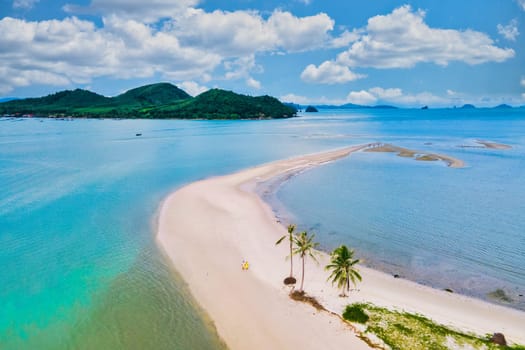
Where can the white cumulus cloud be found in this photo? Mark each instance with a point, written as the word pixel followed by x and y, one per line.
pixel 509 31
pixel 420 99
pixel 188 45
pixel 293 98
pixel 24 4
pixel 386 94
pixel 361 97
pixel 344 39
pixel 300 33
pixel 374 96
pixel 139 10
pixel 329 72
pixel 241 33
pixel 402 39
pixel 255 84
pixel 241 67
pixel 71 50
pixel 394 96
pixel 522 82
pixel 192 87
pixel 522 4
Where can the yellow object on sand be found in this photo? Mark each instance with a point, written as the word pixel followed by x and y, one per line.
pixel 245 265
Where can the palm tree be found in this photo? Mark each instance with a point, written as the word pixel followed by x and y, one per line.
pixel 305 246
pixel 342 264
pixel 291 229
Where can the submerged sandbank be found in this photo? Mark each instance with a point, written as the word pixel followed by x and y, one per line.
pixel 209 227
pixel 418 155
pixel 493 145
pixel 487 144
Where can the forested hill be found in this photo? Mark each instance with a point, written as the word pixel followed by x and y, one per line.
pixel 162 100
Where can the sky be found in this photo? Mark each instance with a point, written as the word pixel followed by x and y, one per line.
pixel 403 53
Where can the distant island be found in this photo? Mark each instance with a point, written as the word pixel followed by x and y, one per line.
pixel 353 106
pixel 311 109
pixel 6 99
pixel 155 101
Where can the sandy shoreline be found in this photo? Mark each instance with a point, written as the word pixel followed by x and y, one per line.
pixel 208 227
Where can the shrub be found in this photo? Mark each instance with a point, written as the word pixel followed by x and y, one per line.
pixel 355 313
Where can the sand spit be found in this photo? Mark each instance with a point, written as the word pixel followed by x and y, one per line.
pixel 208 228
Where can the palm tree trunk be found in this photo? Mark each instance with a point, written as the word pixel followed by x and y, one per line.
pixel 291 258
pixel 302 277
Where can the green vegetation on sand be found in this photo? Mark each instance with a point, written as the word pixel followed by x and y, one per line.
pixel 162 100
pixel 405 331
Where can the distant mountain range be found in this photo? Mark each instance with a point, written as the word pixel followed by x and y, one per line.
pixel 5 99
pixel 502 106
pixel 354 106
pixel 162 100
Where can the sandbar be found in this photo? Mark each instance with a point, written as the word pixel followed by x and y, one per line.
pixel 493 145
pixel 418 155
pixel 487 144
pixel 208 228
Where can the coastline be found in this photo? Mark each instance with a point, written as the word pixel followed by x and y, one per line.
pixel 268 192
pixel 208 227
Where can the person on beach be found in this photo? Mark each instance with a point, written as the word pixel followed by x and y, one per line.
pixel 245 265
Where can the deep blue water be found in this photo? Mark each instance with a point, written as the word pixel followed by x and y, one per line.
pixel 80 268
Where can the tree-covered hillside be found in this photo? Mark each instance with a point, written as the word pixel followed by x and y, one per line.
pixel 161 100
pixel 221 104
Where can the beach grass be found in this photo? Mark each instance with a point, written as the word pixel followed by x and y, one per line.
pixel 407 331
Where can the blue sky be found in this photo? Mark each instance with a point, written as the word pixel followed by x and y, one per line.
pixel 405 53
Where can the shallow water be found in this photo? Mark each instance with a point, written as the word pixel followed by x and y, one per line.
pixel 80 268
pixel 461 229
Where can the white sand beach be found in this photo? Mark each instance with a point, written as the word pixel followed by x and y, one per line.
pixel 209 227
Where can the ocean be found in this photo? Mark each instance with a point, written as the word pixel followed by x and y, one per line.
pixel 80 267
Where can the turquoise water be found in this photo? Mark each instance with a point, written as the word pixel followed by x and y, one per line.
pixel 80 268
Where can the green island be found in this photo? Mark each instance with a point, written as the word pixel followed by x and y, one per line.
pixel 155 101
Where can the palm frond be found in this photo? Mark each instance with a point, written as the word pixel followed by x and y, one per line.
pixel 280 240
pixel 342 266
